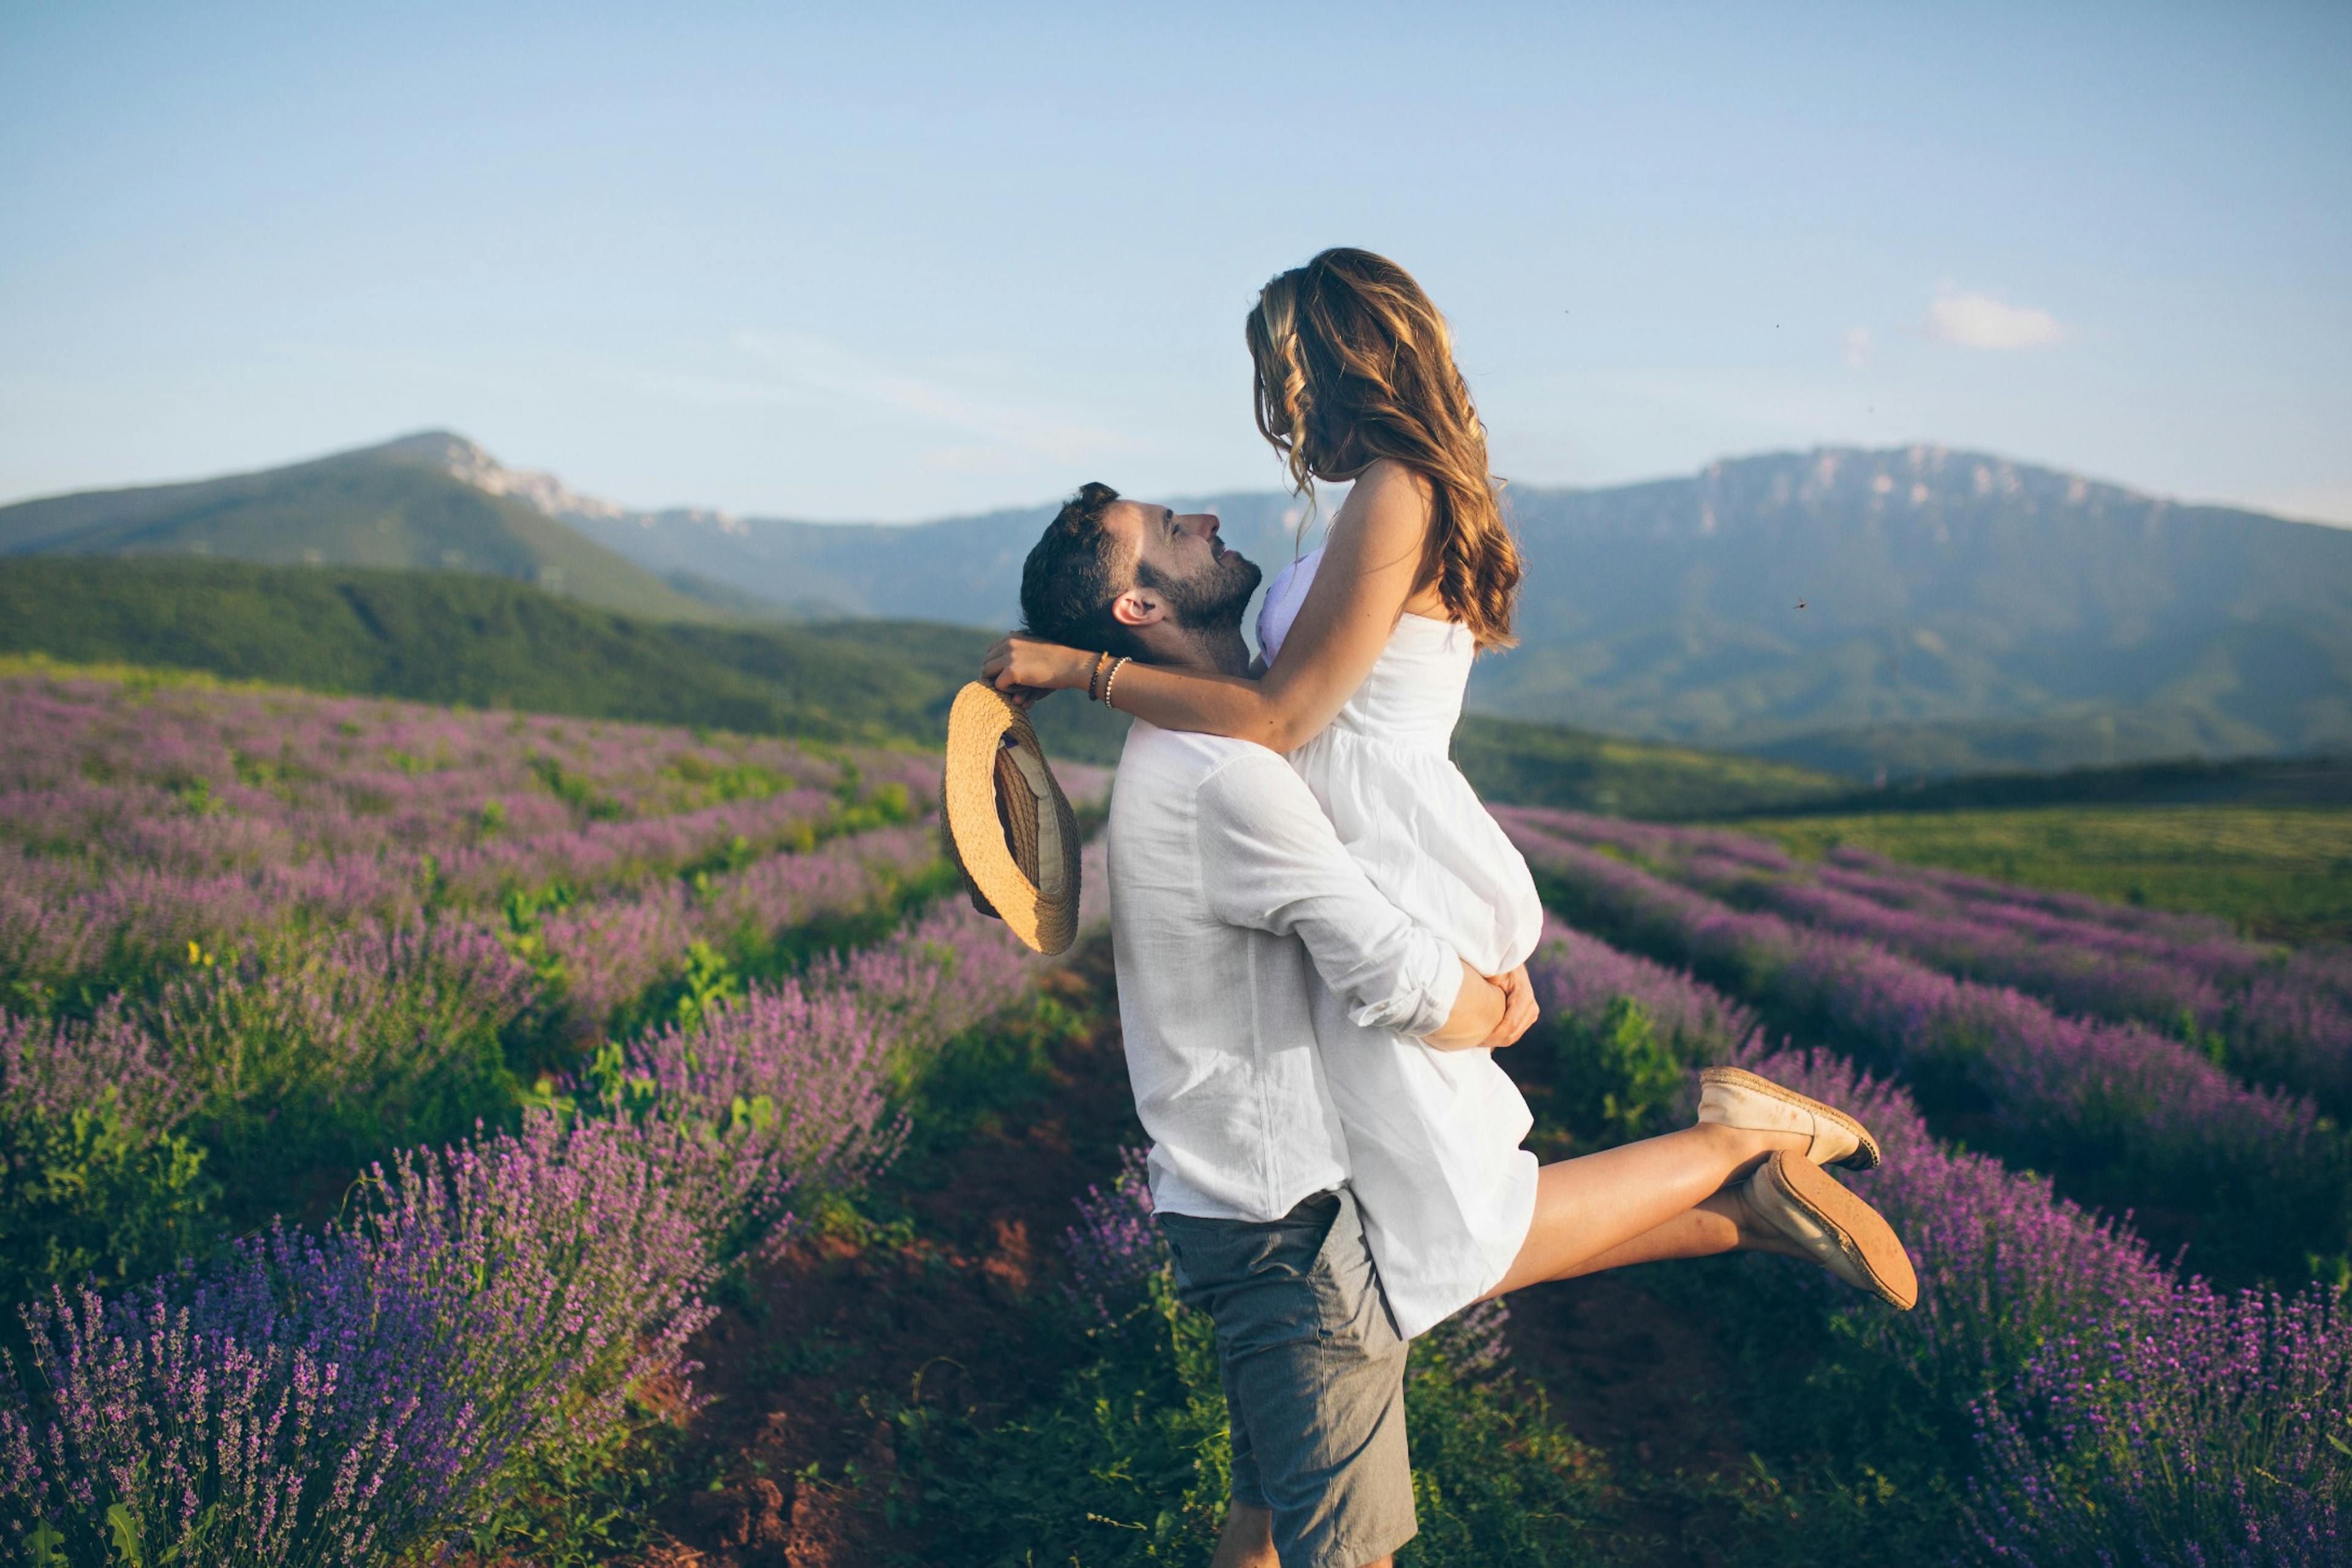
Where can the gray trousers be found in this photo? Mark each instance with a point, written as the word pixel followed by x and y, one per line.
pixel 1313 1376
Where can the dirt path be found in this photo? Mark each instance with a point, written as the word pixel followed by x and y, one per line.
pixel 1642 1377
pixel 939 1309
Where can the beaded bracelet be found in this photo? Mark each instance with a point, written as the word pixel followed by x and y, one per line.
pixel 1094 675
pixel 1112 678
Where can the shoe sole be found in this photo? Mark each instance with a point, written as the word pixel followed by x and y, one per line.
pixel 1862 1231
pixel 1866 1155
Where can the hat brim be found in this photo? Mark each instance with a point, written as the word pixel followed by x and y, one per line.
pixel 1039 902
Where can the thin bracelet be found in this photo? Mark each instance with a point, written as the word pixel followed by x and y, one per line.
pixel 1112 678
pixel 1094 674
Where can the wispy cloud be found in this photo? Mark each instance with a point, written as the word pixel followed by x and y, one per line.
pixel 1857 345
pixel 1974 320
pixel 991 408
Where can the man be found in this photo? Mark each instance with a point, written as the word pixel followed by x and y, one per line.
pixel 1232 900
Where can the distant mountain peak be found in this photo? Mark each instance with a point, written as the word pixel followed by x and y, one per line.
pixel 1923 481
pixel 444 449
pixel 467 462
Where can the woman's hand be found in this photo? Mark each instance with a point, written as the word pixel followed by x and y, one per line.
pixel 1519 1011
pixel 1026 668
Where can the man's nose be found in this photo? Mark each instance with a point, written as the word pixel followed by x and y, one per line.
pixel 1204 523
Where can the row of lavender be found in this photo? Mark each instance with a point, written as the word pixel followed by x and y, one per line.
pixel 2127 1117
pixel 253 1083
pixel 297 931
pixel 2121 1413
pixel 2273 1017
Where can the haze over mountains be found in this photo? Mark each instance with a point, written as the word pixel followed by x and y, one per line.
pixel 1916 609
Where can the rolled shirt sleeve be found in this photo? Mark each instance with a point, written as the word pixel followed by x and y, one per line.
pixel 1269 860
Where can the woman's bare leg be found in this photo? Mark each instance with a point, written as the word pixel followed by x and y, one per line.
pixel 1724 1223
pixel 1598 1205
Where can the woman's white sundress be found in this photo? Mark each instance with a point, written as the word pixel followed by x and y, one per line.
pixel 1446 1191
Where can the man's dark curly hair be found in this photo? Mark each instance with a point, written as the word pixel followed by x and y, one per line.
pixel 1069 581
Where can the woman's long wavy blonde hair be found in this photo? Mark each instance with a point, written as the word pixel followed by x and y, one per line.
pixel 1354 364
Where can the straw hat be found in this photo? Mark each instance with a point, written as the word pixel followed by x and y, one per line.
pixel 1008 824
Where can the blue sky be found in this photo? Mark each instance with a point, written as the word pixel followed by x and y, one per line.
pixel 794 261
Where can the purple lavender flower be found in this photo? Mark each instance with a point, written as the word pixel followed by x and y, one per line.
pixel 2211 1431
pixel 346 1398
pixel 1115 1248
pixel 301 895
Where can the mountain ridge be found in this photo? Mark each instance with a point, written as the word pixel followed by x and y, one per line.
pixel 1919 609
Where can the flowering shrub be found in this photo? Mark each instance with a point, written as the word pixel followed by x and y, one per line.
pixel 135 820
pixel 334 1047
pixel 487 1308
pixel 787 1087
pixel 97 1179
pixel 2260 1024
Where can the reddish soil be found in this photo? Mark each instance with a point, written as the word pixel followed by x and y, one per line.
pixel 838 1334
pixel 1641 1377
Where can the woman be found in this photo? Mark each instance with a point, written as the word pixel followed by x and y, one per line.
pixel 1367 645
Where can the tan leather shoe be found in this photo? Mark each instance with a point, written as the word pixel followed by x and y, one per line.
pixel 1837 1229
pixel 1738 1097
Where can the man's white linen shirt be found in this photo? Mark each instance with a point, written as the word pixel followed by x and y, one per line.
pixel 1231 901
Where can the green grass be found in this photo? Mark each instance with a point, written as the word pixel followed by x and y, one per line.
pixel 2280 872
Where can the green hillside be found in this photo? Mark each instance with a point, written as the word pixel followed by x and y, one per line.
pixel 384 507
pixel 448 637
pixel 452 637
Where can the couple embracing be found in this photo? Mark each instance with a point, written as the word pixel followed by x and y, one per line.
pixel 1321 936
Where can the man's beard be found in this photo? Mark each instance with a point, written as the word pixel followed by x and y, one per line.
pixel 1212 599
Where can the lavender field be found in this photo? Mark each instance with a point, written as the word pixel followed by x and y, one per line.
pixel 398 1105
pixel 382 1088
pixel 2122 1402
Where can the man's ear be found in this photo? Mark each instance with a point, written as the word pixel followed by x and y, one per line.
pixel 1138 607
